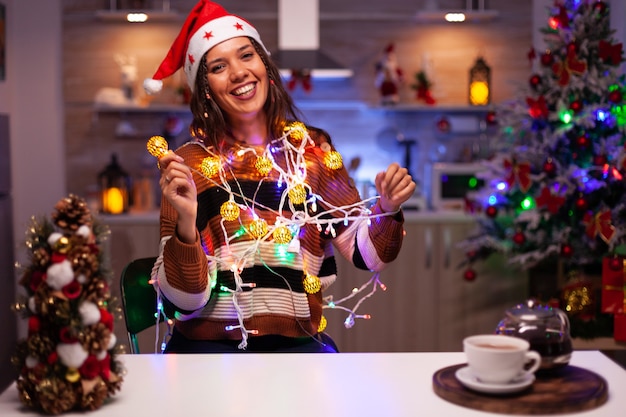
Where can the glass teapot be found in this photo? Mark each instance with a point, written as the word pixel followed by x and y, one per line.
pixel 546 328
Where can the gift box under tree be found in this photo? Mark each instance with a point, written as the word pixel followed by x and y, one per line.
pixel 613 284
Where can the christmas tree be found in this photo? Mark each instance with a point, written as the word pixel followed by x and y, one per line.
pixel 68 360
pixel 554 190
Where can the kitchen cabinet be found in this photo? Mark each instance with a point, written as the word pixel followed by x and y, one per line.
pixel 428 306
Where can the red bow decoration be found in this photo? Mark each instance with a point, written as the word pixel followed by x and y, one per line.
pixel 423 93
pixel 600 223
pixel 303 76
pixel 537 108
pixel 552 201
pixel 563 18
pixel 570 66
pixel 519 173
pixel 611 54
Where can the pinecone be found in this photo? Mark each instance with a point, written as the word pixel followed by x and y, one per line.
pixel 40 257
pixel 95 338
pixel 40 346
pixel 95 398
pixel 55 396
pixel 84 260
pixel 96 290
pixel 71 213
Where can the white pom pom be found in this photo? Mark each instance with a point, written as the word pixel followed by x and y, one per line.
pixel 54 237
pixel 101 355
pixel 152 86
pixel 89 313
pixel 84 231
pixel 60 274
pixel 32 306
pixel 82 279
pixel 112 341
pixel 31 361
pixel 72 355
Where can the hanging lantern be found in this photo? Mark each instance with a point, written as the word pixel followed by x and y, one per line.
pixel 480 83
pixel 114 186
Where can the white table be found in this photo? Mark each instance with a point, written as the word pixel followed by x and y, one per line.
pixel 303 385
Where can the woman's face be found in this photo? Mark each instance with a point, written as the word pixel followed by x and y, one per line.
pixel 237 78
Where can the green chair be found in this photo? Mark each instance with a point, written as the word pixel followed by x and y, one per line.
pixel 138 299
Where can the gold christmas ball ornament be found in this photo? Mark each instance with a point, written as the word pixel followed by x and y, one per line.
pixel 297 131
pixel 62 245
pixel 210 166
pixel 297 194
pixel 333 160
pixel 264 165
pixel 229 211
pixel 311 283
pixel 322 326
pixel 282 235
pixel 157 146
pixel 258 228
pixel 72 375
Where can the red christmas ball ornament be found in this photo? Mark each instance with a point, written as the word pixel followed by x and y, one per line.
pixel 599 160
pixel 547 59
pixel 519 238
pixel 491 211
pixel 469 274
pixel 566 251
pixel 616 96
pixel 572 47
pixel 600 7
pixel 576 106
pixel 443 125
pixel 534 81
pixel 490 118
pixel 582 141
pixel 581 204
pixel 616 263
pixel 549 167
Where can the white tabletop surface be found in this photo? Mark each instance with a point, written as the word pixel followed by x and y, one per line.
pixel 302 385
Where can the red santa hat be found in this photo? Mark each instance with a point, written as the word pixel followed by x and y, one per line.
pixel 207 25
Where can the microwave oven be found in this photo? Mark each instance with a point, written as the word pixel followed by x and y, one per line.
pixel 450 183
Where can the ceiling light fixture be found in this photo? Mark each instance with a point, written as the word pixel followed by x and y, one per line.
pixel 432 14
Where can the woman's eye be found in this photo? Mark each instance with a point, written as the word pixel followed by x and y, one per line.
pixel 216 68
pixel 247 55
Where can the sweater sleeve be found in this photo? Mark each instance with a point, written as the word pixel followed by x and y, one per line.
pixel 183 276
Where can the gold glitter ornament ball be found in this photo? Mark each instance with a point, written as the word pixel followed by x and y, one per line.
pixel 333 160
pixel 258 228
pixel 263 165
pixel 282 235
pixel 296 130
pixel 210 166
pixel 297 194
pixel 229 211
pixel 62 245
pixel 323 324
pixel 157 146
pixel 311 283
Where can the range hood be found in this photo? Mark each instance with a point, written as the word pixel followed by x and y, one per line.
pixel 298 42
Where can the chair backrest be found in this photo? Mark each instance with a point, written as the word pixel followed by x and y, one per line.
pixel 138 299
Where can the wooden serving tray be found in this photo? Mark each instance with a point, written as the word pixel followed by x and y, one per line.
pixel 568 389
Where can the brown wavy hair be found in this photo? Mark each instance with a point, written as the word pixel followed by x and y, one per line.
pixel 209 123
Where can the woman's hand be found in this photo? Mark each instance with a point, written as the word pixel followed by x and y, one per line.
pixel 179 189
pixel 395 186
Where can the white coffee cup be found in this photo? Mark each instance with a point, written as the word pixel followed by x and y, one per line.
pixel 499 359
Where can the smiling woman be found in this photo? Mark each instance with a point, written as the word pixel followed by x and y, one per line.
pixel 254 206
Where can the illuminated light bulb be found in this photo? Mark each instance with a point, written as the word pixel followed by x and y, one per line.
pixel 333 160
pixel 323 324
pixel 258 228
pixel 366 316
pixel 297 194
pixel 157 146
pixel 210 166
pixel 382 286
pixel 331 304
pixel 296 131
pixel 263 165
pixel 312 284
pixel 455 17
pixel 349 322
pixel 282 235
pixel 229 211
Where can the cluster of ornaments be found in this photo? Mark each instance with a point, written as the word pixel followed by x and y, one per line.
pixel 68 360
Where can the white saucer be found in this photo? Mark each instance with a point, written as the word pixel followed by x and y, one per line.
pixel 470 381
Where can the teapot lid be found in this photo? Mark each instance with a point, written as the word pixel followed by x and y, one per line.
pixel 531 310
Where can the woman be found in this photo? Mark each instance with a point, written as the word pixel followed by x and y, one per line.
pixel 253 206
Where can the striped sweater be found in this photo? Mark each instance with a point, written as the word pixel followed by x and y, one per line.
pixel 230 283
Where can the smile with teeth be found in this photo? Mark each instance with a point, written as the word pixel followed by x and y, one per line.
pixel 243 90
